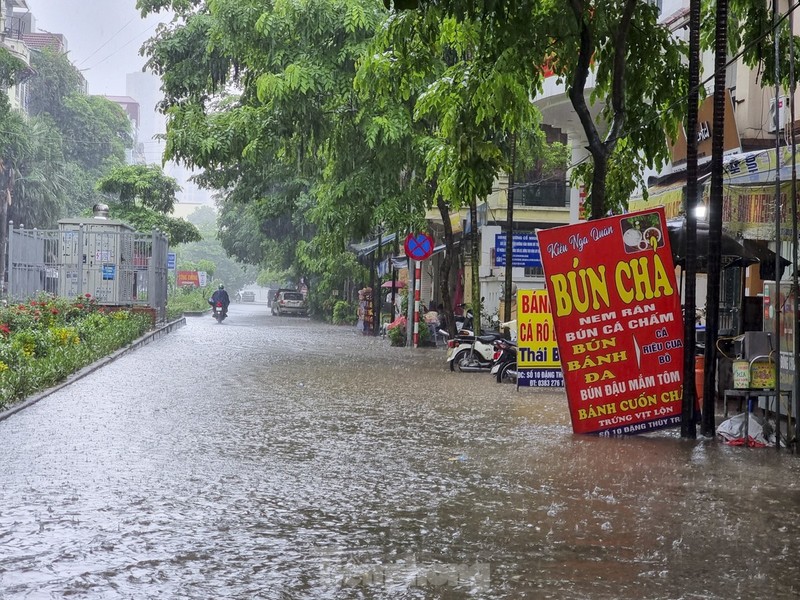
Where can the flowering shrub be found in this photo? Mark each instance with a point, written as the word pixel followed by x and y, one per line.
pixel 396 330
pixel 46 339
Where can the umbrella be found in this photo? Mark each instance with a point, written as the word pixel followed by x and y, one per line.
pixel 397 284
pixel 734 254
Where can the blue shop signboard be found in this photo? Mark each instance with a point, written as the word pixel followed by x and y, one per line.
pixel 524 251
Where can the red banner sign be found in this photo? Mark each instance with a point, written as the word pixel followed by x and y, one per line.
pixel 184 278
pixel 618 323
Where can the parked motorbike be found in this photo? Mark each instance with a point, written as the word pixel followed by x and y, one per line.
pixel 464 323
pixel 504 365
pixel 219 312
pixel 470 353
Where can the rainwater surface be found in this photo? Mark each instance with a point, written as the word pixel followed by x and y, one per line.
pixel 279 458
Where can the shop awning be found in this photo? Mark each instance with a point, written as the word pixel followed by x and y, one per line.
pixel 367 248
pixel 401 262
pixel 733 252
pixel 766 258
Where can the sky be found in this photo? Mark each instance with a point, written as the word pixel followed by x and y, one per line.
pixel 103 37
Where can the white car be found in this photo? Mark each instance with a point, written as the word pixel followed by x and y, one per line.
pixel 289 303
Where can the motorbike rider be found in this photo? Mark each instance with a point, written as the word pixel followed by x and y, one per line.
pixel 221 296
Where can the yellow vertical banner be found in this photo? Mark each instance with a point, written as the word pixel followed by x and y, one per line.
pixel 538 361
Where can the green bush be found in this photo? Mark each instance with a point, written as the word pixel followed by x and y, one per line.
pixel 424 331
pixel 186 300
pixel 396 331
pixel 344 313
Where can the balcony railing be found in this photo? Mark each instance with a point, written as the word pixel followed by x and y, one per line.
pixel 548 194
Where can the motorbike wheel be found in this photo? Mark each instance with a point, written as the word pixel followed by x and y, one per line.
pixel 462 354
pixel 463 359
pixel 505 374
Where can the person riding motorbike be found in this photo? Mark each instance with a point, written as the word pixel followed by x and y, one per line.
pixel 221 296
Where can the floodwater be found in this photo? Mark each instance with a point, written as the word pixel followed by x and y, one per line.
pixel 279 458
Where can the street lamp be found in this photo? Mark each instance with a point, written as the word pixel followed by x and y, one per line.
pixel 700 212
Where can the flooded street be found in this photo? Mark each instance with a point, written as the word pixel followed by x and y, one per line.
pixel 280 458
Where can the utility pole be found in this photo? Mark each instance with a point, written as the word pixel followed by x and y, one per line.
pixel 795 249
pixel 715 220
pixel 510 230
pixel 776 302
pixel 688 427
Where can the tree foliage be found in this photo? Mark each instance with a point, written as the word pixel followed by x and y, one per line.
pixel 178 231
pixel 306 161
pixel 96 132
pixel 146 183
pixel 42 185
pixel 56 79
pixel 10 67
pixel 145 197
pixel 269 146
pixel 234 275
pixel 14 146
pixel 459 93
pixel 624 75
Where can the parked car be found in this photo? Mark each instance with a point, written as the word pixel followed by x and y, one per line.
pixel 289 302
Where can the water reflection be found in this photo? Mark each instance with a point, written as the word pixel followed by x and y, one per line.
pixel 277 458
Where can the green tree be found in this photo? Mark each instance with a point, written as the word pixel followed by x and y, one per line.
pixel 309 165
pixel 96 132
pixel 146 184
pixel 233 274
pixel 92 132
pixel 464 128
pixel 145 197
pixel 636 66
pixel 42 185
pixel 268 147
pixel 55 80
pixel 14 145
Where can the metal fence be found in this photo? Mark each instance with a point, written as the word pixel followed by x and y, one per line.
pixel 118 268
pixel 546 194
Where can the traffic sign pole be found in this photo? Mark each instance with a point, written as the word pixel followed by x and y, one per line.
pixel 417 281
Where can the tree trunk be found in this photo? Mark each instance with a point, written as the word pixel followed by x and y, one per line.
pixel 475 258
pixel 597 195
pixel 447 266
pixel 599 149
pixel 6 184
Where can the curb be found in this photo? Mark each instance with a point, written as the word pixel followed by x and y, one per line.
pixel 138 343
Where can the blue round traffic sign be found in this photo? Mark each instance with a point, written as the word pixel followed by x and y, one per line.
pixel 418 246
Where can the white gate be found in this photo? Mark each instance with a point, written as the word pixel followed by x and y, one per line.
pixel 117 267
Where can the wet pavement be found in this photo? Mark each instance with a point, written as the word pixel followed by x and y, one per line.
pixel 280 458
